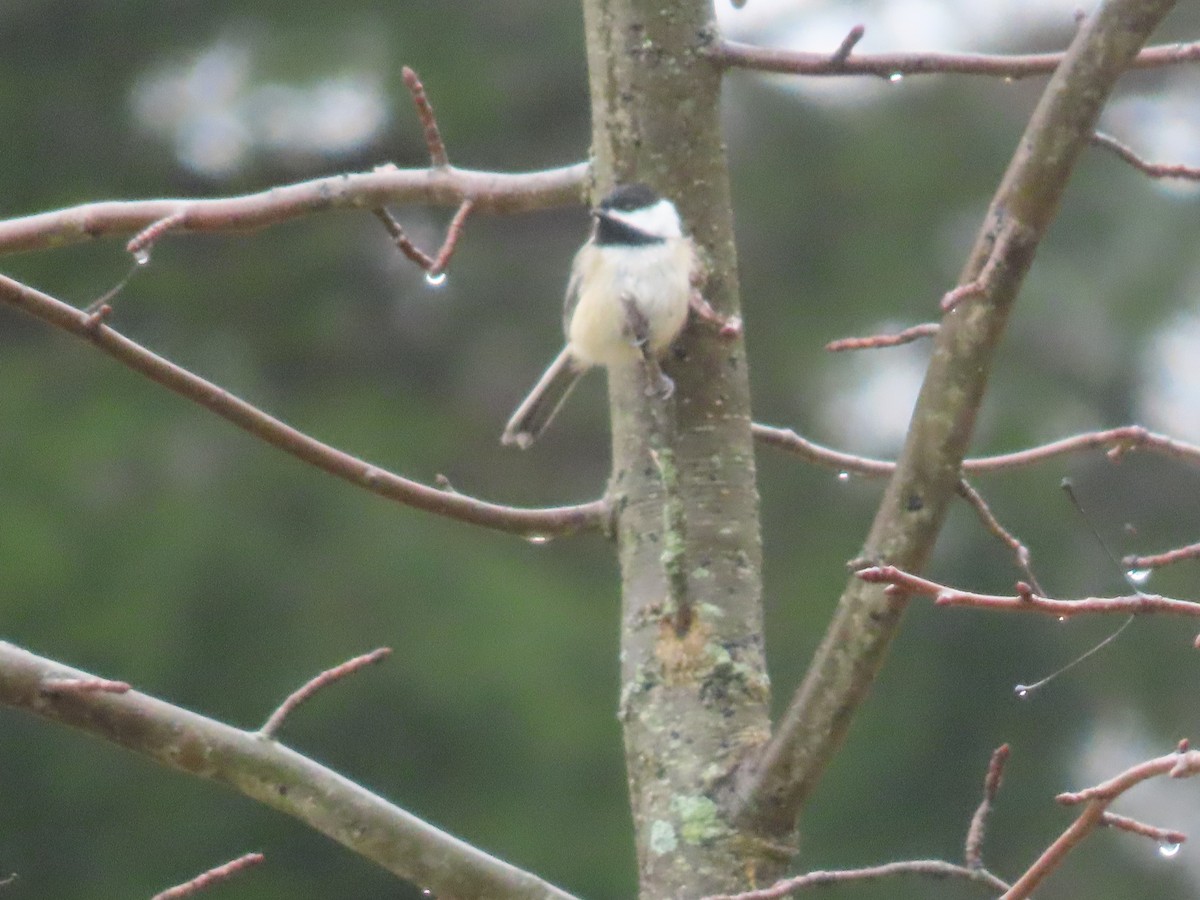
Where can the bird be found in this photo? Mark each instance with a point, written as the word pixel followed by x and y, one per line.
pixel 631 286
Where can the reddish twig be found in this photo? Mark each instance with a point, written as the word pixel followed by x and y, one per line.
pixel 1181 764
pixel 1119 441
pixel 84 686
pixel 491 192
pixel 328 677
pixel 786 439
pixel 1025 600
pixel 928 868
pixel 403 242
pixel 1158 560
pixel 1011 238
pixel 992 524
pixel 842 53
pixel 540 523
pixel 433 266
pixel 453 233
pixel 1154 170
pixel 141 243
pixel 973 850
pixel 211 877
pixel 433 134
pixel 907 336
pixel 884 65
pixel 1144 829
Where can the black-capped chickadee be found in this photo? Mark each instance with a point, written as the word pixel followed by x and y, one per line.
pixel 628 298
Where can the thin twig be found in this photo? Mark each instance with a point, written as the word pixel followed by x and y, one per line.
pixel 1012 235
pixel 973 849
pixel 433 134
pixel 402 241
pixel 907 336
pixel 1158 560
pixel 1020 552
pixel 886 65
pixel 1119 441
pixel 927 868
pixel 1024 600
pixel 328 677
pixel 1144 829
pixel 491 192
pixel 213 876
pixel 453 233
pixel 842 53
pixel 1181 764
pixel 527 522
pixel 1154 170
pixel 141 243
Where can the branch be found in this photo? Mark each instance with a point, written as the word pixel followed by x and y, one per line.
pixel 771 787
pixel 307 690
pixel 875 341
pixel 734 55
pixel 272 774
pixel 1182 764
pixel 532 523
pixel 926 868
pixel 973 849
pixel 1154 170
pixel 213 876
pixel 1020 552
pixel 901 582
pixel 1119 441
pixel 490 192
pixel 1158 560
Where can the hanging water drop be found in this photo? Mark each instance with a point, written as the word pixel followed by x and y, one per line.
pixel 1022 691
pixel 435 279
pixel 538 539
pixel 843 477
pixel 1168 849
pixel 896 77
pixel 1138 576
pixel 141 255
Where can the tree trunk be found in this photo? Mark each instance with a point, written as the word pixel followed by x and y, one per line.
pixel 695 695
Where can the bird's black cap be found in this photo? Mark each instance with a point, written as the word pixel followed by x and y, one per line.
pixel 625 198
pixel 628 197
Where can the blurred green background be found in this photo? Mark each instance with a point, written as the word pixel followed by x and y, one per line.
pixel 146 540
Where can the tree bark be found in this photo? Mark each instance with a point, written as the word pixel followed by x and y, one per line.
pixel 695 694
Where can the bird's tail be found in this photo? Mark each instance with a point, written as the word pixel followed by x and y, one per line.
pixel 536 410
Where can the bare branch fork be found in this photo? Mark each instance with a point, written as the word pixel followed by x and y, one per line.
pixel 438 160
pixel 270 773
pixel 1183 763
